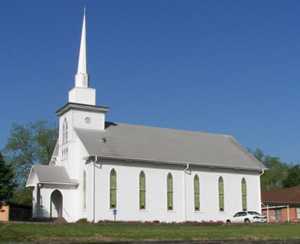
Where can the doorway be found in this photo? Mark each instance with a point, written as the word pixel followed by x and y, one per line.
pixel 56 204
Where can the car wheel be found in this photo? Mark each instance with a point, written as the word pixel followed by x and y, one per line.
pixel 228 221
pixel 247 221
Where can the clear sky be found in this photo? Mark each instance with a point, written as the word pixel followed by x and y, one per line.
pixel 229 67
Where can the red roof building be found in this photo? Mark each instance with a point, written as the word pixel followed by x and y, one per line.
pixel 282 205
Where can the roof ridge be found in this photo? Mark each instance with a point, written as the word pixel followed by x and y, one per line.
pixel 171 129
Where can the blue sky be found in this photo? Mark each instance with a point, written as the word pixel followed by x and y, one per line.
pixel 228 67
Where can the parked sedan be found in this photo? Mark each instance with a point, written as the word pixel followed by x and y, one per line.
pixel 247 217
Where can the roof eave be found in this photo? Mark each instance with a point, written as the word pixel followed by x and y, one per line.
pixel 205 165
pixel 82 107
pixel 29 178
pixel 280 202
pixel 59 183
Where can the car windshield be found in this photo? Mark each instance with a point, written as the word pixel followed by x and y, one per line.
pixel 253 213
pixel 238 214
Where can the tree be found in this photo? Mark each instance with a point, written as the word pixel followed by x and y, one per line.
pixel 293 178
pixel 258 153
pixel 28 145
pixel 45 138
pixel 22 195
pixel 277 172
pixel 7 184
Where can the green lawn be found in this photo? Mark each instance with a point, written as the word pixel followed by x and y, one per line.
pixel 123 231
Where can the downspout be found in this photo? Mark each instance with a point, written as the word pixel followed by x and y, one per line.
pixel 96 160
pixel 94 190
pixel 185 171
pixel 92 159
pixel 262 172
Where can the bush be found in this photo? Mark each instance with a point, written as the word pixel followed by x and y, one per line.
pixel 82 221
pixel 60 221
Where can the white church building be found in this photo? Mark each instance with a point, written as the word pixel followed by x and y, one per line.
pixel 102 170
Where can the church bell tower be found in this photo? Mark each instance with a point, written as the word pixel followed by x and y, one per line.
pixel 81 111
pixel 82 93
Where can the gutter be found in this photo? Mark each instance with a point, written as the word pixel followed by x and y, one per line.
pixel 205 165
pixel 274 207
pixel 53 183
pixel 58 183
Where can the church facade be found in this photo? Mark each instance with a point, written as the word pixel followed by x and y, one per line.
pixel 102 170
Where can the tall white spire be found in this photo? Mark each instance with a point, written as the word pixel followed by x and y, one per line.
pixel 82 78
pixel 82 93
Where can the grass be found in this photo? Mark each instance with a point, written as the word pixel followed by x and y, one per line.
pixel 124 231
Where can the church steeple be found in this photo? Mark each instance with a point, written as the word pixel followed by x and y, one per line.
pixel 82 93
pixel 81 77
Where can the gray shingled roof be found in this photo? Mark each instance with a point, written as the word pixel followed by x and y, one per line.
pixel 51 175
pixel 140 143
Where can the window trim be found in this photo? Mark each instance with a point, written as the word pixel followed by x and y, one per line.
pixel 221 194
pixel 244 194
pixel 170 203
pixel 196 193
pixel 142 190
pixel 113 189
pixel 65 132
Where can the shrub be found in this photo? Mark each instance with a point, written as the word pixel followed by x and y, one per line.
pixel 82 221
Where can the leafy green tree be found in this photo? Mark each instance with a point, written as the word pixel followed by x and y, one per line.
pixel 28 145
pixel 293 178
pixel 7 184
pixel 45 138
pixel 22 195
pixel 276 174
pixel 258 153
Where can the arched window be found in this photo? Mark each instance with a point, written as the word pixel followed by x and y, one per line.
pixel 221 193
pixel 170 191
pixel 113 189
pixel 142 190
pixel 196 193
pixel 65 132
pixel 244 194
pixel 84 189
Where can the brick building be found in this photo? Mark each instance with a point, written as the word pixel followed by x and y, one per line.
pixel 282 205
pixel 14 212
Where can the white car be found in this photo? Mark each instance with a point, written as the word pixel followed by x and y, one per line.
pixel 247 217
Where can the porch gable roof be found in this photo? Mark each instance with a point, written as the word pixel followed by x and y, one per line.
pixel 45 174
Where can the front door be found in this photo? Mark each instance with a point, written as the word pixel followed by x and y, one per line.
pixel 56 204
